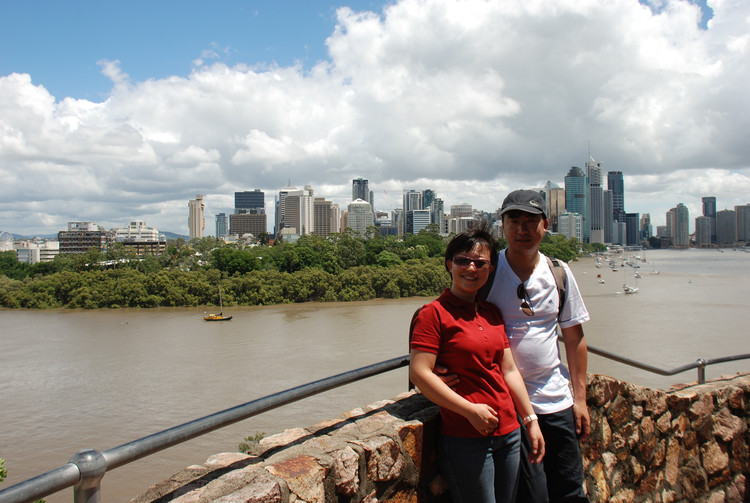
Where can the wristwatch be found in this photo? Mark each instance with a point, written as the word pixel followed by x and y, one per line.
pixel 528 419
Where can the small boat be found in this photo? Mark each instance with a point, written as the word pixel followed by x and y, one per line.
pixel 629 289
pixel 220 316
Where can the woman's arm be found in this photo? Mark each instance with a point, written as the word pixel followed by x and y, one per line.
pixel 523 405
pixel 481 416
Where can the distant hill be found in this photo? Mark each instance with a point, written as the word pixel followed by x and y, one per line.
pixel 172 235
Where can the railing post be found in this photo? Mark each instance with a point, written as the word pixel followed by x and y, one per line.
pixel 92 466
pixel 701 371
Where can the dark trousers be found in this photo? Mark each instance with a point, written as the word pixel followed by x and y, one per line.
pixel 559 478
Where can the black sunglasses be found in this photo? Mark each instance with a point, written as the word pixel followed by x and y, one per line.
pixel 525 300
pixel 462 261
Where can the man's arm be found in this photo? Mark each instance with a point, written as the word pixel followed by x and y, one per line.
pixel 577 356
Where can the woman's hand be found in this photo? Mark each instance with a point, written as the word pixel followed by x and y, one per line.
pixel 536 441
pixel 483 418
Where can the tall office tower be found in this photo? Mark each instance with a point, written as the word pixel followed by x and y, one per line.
pixel 609 222
pixel 576 198
pixel 372 201
pixel 360 190
pixel 416 220
pixel 742 213
pixel 250 201
pixel 678 219
pixel 596 201
pixel 632 229
pixel 196 220
pixel 428 195
pixel 616 184
pixel 336 218
pixel 555 197
pixel 437 216
pixel 709 210
pixel 646 231
pixel 222 225
pixel 670 223
pixel 703 231
pixel 413 201
pixel 726 228
pixel 359 216
pixel 323 217
pixel 294 210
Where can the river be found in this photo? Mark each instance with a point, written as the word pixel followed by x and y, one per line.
pixel 71 380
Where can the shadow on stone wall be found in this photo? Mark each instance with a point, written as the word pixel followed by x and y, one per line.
pixel 688 444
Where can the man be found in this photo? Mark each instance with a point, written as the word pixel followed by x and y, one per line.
pixel 524 289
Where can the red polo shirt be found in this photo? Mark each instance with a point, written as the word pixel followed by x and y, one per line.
pixel 469 343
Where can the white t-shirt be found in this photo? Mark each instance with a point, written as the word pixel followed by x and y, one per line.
pixel 533 339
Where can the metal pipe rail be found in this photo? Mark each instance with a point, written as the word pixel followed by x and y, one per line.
pixel 86 468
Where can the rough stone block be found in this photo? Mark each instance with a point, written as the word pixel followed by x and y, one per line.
pixel 715 457
pixel 263 489
pixel 303 475
pixel 728 426
pixel 346 471
pixel 384 460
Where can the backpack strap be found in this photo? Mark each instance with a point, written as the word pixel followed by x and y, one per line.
pixel 558 271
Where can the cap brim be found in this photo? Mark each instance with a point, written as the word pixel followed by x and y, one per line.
pixel 524 208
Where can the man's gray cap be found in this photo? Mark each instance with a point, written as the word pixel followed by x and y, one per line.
pixel 529 201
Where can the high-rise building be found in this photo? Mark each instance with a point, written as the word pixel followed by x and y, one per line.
pixel 576 198
pixel 709 210
pixel 222 225
pixel 359 216
pixel 596 201
pixel 646 230
pixel 250 201
pixel 244 223
pixel 555 197
pixel 360 190
pixel 703 231
pixel 616 184
pixel 437 211
pixel 726 228
pixel 325 217
pixel 742 213
pixel 678 224
pixel 428 195
pixel 570 225
pixel 196 220
pixel 295 211
pixel 632 229
pixel 610 231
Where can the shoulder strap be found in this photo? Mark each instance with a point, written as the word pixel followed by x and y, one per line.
pixel 558 271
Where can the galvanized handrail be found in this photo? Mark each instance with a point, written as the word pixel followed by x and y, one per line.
pixel 86 468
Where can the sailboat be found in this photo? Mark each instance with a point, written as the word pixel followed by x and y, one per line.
pixel 220 316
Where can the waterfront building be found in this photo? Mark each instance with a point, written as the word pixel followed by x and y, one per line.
pixel 709 210
pixel 222 225
pixel 678 223
pixel 34 251
pixel 576 198
pixel 703 231
pixel 244 223
pixel 596 201
pixel 646 231
pixel 742 213
pixel 726 228
pixel 616 184
pixel 609 222
pixel 632 229
pixel 82 236
pixel 361 190
pixel 196 219
pixel 571 225
pixel 359 216
pixel 140 238
pixel 250 201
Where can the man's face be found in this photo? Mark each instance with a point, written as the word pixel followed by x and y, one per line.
pixel 524 231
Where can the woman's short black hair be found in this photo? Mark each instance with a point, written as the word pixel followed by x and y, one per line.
pixel 480 234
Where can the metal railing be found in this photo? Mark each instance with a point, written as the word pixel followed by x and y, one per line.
pixel 86 468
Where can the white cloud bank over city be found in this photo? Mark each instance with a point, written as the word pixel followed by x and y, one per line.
pixel 466 97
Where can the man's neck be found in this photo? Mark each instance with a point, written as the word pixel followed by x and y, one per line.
pixel 522 264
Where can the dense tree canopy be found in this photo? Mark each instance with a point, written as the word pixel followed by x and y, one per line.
pixel 341 267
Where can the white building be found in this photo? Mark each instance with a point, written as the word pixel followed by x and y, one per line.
pixel 196 219
pixel 33 252
pixel 571 225
pixel 143 239
pixel 359 216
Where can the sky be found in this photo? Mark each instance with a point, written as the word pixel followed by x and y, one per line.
pixel 118 111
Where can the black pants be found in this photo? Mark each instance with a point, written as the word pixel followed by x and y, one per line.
pixel 559 478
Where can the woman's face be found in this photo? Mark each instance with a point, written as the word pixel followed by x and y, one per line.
pixel 470 270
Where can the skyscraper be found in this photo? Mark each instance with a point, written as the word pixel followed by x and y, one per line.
pixel 596 201
pixel 616 184
pixel 295 211
pixel 222 225
pixel 251 201
pixel 709 210
pixel 359 216
pixel 196 220
pixel 703 231
pixel 360 190
pixel 742 213
pixel 726 228
pixel 678 224
pixel 576 198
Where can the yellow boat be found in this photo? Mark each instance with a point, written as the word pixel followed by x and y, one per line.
pixel 220 316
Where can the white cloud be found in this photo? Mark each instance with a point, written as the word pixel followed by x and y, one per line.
pixel 469 98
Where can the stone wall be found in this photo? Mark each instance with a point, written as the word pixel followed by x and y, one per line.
pixel 689 444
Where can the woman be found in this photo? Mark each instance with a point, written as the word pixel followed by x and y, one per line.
pixel 479 448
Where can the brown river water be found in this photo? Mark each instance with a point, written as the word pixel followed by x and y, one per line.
pixel 71 380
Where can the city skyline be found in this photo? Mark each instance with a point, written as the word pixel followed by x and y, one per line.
pixel 151 104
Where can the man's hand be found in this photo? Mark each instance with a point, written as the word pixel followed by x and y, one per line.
pixel 582 419
pixel 450 379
